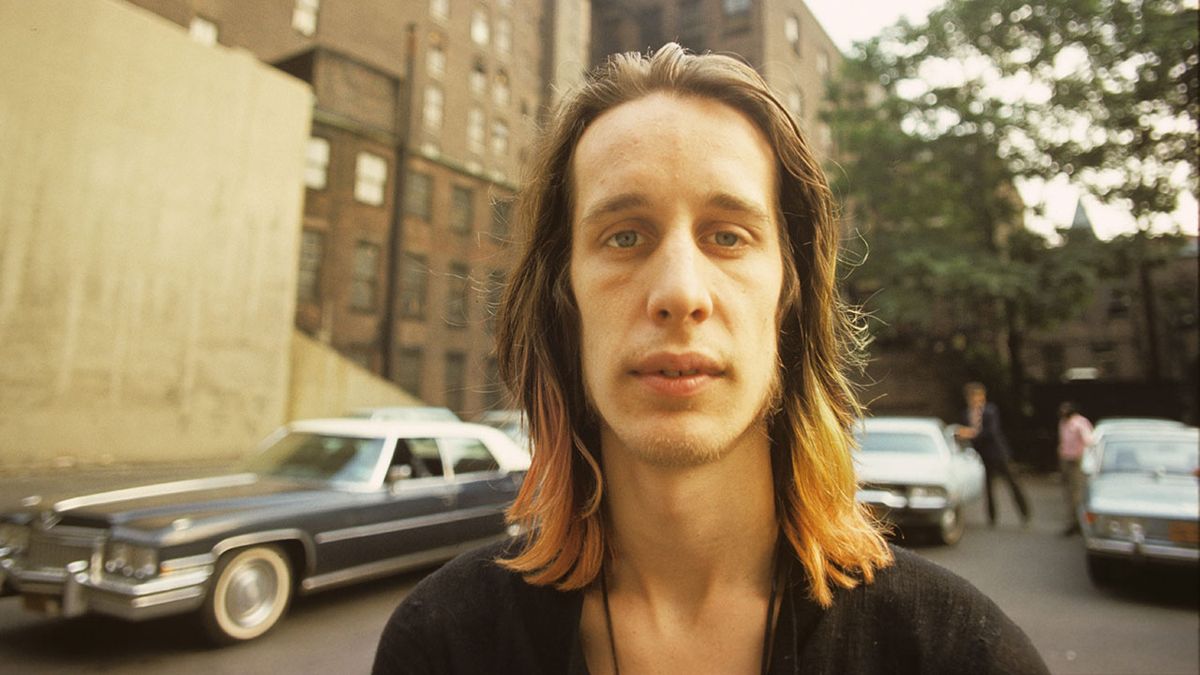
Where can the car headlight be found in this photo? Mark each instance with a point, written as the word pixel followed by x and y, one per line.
pixel 1117 527
pixel 140 562
pixel 14 537
pixel 925 491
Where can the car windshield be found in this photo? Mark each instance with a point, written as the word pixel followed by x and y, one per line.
pixel 1166 455
pixel 319 457
pixel 896 442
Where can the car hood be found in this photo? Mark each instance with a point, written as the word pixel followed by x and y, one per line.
pixel 902 468
pixel 163 505
pixel 1145 494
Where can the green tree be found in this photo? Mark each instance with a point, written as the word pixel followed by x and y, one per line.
pixel 937 123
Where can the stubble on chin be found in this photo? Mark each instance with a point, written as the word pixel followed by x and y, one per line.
pixel 688 448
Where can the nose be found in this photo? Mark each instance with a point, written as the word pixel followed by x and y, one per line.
pixel 679 289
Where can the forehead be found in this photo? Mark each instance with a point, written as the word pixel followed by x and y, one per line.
pixel 674 141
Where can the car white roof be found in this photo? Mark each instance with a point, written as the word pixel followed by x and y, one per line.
pixel 896 423
pixel 510 456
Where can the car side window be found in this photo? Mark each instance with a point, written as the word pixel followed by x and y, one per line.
pixel 468 455
pixel 421 454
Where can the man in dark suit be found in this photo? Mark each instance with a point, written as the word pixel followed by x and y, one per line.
pixel 982 421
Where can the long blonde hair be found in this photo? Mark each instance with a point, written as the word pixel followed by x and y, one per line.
pixel 538 343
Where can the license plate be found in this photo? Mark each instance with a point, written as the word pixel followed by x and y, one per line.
pixel 1184 532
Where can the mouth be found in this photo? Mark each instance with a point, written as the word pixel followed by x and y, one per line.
pixel 677 374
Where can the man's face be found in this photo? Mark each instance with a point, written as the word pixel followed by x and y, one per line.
pixel 976 398
pixel 677 272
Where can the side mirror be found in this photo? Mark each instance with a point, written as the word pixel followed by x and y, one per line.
pixel 399 472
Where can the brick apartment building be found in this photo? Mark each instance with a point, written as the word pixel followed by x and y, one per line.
pixel 411 165
pixel 780 38
pixel 413 160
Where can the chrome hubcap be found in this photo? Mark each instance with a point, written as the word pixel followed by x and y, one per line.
pixel 251 595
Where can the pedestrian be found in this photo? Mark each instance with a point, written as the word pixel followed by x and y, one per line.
pixel 982 428
pixel 1074 436
pixel 673 331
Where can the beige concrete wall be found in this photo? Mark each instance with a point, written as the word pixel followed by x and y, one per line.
pixel 324 384
pixel 150 205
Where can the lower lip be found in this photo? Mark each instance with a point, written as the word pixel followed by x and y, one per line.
pixel 682 386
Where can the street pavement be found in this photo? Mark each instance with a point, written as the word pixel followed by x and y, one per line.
pixel 1035 575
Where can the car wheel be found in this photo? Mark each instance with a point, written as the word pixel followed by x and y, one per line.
pixel 1102 571
pixel 250 592
pixel 951 526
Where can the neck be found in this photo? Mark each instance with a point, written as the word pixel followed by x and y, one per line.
pixel 682 533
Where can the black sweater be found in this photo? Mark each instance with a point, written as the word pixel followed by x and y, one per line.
pixel 473 616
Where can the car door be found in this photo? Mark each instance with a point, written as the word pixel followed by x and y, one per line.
pixel 483 490
pixel 409 518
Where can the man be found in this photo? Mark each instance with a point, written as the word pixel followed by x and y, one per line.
pixel 982 421
pixel 1074 435
pixel 674 333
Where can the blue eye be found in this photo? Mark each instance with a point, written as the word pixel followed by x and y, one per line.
pixel 625 239
pixel 727 239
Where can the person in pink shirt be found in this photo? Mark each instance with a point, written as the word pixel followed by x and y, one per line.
pixel 1074 435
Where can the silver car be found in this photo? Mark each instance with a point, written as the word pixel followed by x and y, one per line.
pixel 912 473
pixel 1142 502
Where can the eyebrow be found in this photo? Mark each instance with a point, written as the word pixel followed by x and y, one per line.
pixel 632 200
pixel 729 202
pixel 615 204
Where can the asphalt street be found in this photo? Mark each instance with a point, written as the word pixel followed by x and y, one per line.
pixel 1035 575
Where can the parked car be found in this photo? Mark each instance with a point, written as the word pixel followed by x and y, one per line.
pixel 914 474
pixel 322 504
pixel 406 413
pixel 1142 500
pixel 511 422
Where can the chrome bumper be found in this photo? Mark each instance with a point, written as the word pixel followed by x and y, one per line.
pixel 1141 550
pixel 76 590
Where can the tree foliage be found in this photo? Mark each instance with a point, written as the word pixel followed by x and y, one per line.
pixel 937 123
pixel 1103 91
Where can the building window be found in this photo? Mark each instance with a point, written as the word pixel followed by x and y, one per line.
pixel 823 64
pixel 499 138
pixel 692 27
pixel 1119 302
pixel 414 286
pixel 439 9
pixel 475 131
pixel 316 163
pixel 501 211
pixel 495 293
pixel 796 102
pixel 418 195
pixel 364 288
pixel 456 295
pixel 503 36
pixel 791 31
pixel 410 362
pixel 494 394
pixel 501 93
pixel 480 30
pixel 431 115
pixel 735 7
pixel 456 380
pixel 304 16
pixel 370 178
pixel 477 80
pixel 435 57
pixel 462 209
pixel 203 30
pixel 308 283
